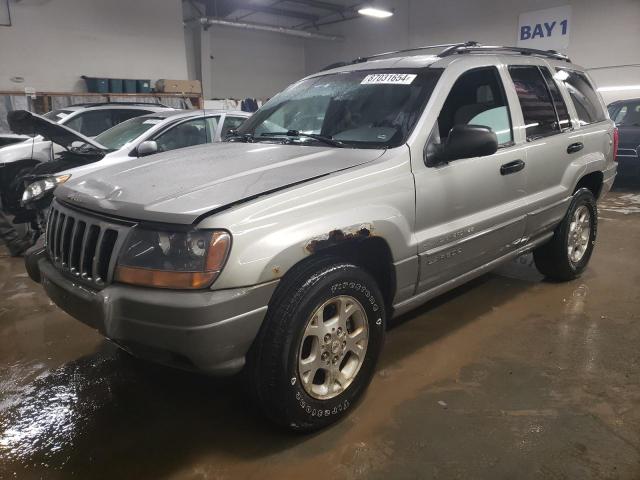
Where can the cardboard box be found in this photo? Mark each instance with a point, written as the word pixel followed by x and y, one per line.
pixel 178 86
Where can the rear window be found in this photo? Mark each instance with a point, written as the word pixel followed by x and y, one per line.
pixel 583 95
pixel 558 101
pixel 537 106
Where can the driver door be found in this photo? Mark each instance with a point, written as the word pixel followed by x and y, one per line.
pixel 470 211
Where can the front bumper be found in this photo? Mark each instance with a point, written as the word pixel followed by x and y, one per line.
pixel 209 331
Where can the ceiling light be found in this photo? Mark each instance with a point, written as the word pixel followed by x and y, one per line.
pixel 375 12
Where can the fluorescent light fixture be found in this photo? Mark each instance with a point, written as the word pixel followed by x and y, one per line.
pixel 375 12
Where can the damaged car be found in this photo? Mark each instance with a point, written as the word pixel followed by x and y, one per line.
pixel 20 152
pixel 352 197
pixel 132 139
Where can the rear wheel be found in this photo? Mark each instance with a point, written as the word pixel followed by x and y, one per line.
pixel 318 347
pixel 568 252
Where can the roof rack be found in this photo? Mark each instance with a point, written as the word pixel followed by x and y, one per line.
pixel 98 104
pixel 406 50
pixel 470 47
pixel 475 47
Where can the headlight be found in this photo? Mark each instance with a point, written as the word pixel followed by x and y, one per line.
pixel 37 190
pixel 168 259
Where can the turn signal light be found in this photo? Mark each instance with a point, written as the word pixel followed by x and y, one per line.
pixel 164 279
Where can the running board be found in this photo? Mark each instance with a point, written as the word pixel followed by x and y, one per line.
pixel 423 297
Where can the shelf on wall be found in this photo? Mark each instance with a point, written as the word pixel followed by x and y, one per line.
pixel 45 98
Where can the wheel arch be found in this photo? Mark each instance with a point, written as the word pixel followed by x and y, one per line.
pixel 592 181
pixel 371 253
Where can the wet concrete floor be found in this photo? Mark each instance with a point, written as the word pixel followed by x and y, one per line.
pixel 507 377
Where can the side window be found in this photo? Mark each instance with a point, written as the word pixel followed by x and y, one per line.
pixel 186 134
pixel 535 100
pixel 231 123
pixel 121 114
pixel 91 123
pixel 621 115
pixel 558 101
pixel 584 97
pixel 477 98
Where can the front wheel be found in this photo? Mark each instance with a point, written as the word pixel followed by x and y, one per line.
pixel 568 252
pixel 319 344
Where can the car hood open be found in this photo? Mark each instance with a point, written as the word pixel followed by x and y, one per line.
pixel 24 122
pixel 182 185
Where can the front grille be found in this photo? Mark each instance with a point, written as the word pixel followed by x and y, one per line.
pixel 83 246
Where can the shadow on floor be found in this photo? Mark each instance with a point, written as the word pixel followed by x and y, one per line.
pixel 78 418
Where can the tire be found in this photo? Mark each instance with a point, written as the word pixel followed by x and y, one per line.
pixel 554 259
pixel 288 392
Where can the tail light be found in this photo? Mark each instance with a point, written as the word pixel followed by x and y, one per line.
pixel 616 142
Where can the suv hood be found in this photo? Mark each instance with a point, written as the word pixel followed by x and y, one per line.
pixel 180 186
pixel 24 122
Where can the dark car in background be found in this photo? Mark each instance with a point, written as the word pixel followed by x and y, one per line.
pixel 626 114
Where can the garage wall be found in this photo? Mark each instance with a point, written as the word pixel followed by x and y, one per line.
pixel 250 63
pixel 604 33
pixel 362 36
pixel 53 42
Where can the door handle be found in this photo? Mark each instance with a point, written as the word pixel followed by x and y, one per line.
pixel 511 167
pixel 575 147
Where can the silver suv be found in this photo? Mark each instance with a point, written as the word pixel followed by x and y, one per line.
pixel 352 197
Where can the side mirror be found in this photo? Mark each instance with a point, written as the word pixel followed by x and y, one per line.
pixel 464 141
pixel 148 147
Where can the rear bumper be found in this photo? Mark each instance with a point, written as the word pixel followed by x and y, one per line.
pixel 608 177
pixel 208 331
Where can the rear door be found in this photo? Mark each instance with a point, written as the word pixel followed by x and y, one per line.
pixel 470 211
pixel 551 144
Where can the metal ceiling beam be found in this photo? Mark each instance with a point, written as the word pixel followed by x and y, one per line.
pixel 347 13
pixel 280 12
pixel 208 21
pixel 334 7
pixel 224 8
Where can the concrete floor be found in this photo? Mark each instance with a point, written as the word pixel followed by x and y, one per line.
pixel 508 377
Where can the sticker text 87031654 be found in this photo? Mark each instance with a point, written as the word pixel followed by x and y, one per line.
pixel 389 78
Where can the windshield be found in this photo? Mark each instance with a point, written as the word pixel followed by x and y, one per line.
pixel 57 115
pixel 123 133
pixel 363 109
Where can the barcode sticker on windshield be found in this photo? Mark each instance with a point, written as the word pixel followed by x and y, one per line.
pixel 389 78
pixel 152 121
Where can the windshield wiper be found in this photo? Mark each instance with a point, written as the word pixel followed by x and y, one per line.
pixel 296 133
